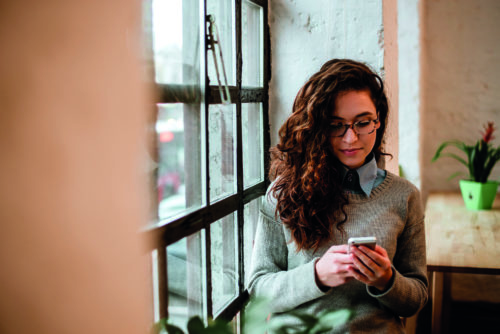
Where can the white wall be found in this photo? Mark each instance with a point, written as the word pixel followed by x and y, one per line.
pixel 460 80
pixel 305 34
pixel 391 80
pixel 409 90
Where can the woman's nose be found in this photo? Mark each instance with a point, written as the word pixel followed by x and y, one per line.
pixel 350 136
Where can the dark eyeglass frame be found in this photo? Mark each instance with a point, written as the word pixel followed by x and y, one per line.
pixel 352 125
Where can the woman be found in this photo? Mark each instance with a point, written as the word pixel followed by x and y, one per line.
pixel 327 188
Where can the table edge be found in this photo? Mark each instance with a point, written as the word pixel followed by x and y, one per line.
pixel 465 270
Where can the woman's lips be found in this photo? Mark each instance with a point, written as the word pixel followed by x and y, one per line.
pixel 351 151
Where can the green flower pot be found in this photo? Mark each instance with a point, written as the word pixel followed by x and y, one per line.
pixel 477 195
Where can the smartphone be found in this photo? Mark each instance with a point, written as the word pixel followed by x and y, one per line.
pixel 369 242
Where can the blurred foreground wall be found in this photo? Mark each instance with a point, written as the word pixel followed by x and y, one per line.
pixel 72 194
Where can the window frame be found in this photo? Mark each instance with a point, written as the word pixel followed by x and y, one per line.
pixel 166 232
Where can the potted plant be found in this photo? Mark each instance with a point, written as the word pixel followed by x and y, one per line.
pixel 478 193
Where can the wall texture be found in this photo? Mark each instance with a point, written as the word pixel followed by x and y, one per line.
pixel 391 61
pixel 460 80
pixel 72 197
pixel 305 34
pixel 409 89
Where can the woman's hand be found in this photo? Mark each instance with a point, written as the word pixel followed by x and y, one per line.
pixel 371 267
pixel 335 267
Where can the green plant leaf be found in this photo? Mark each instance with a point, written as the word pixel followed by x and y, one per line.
pixel 456 143
pixel 195 325
pixel 218 326
pixel 493 157
pixel 307 319
pixel 481 154
pixel 330 320
pixel 171 329
pixel 163 326
pixel 472 156
pixel 454 175
pixel 255 315
pixel 277 325
pixel 454 156
pixel 401 172
pixel 309 324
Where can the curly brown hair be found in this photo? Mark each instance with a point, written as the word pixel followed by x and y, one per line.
pixel 306 173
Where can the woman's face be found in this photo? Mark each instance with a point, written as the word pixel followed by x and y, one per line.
pixel 351 148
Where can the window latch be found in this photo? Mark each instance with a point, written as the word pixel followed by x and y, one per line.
pixel 213 41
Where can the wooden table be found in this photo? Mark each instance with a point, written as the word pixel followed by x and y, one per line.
pixel 458 241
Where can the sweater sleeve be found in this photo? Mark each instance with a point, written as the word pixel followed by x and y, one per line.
pixel 408 292
pixel 270 277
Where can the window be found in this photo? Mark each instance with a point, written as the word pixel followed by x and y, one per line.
pixel 211 154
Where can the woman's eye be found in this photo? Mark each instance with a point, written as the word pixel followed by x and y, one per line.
pixel 363 124
pixel 336 126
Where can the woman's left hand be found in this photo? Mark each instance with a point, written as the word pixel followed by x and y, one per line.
pixel 373 267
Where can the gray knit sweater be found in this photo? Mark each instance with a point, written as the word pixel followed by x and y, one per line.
pixel 393 213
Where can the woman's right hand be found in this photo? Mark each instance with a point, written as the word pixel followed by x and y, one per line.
pixel 332 269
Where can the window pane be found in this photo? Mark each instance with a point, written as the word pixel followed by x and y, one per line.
pixel 253 164
pixel 251 216
pixel 222 146
pixel 252 44
pixel 186 279
pixel 180 183
pixel 223 11
pixel 176 41
pixel 223 236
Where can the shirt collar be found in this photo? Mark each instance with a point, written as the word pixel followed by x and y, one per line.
pixel 366 173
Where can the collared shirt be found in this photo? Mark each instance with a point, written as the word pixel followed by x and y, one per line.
pixel 363 179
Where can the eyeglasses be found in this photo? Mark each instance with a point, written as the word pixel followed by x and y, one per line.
pixel 364 127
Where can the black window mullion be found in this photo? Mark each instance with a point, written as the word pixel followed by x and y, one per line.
pixel 239 57
pixel 243 94
pixel 207 105
pixel 234 307
pixel 214 94
pixel 174 230
pixel 267 78
pixel 239 146
pixel 249 95
pixel 162 281
pixel 172 93
pixel 262 3
pixel 208 266
pixel 208 262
